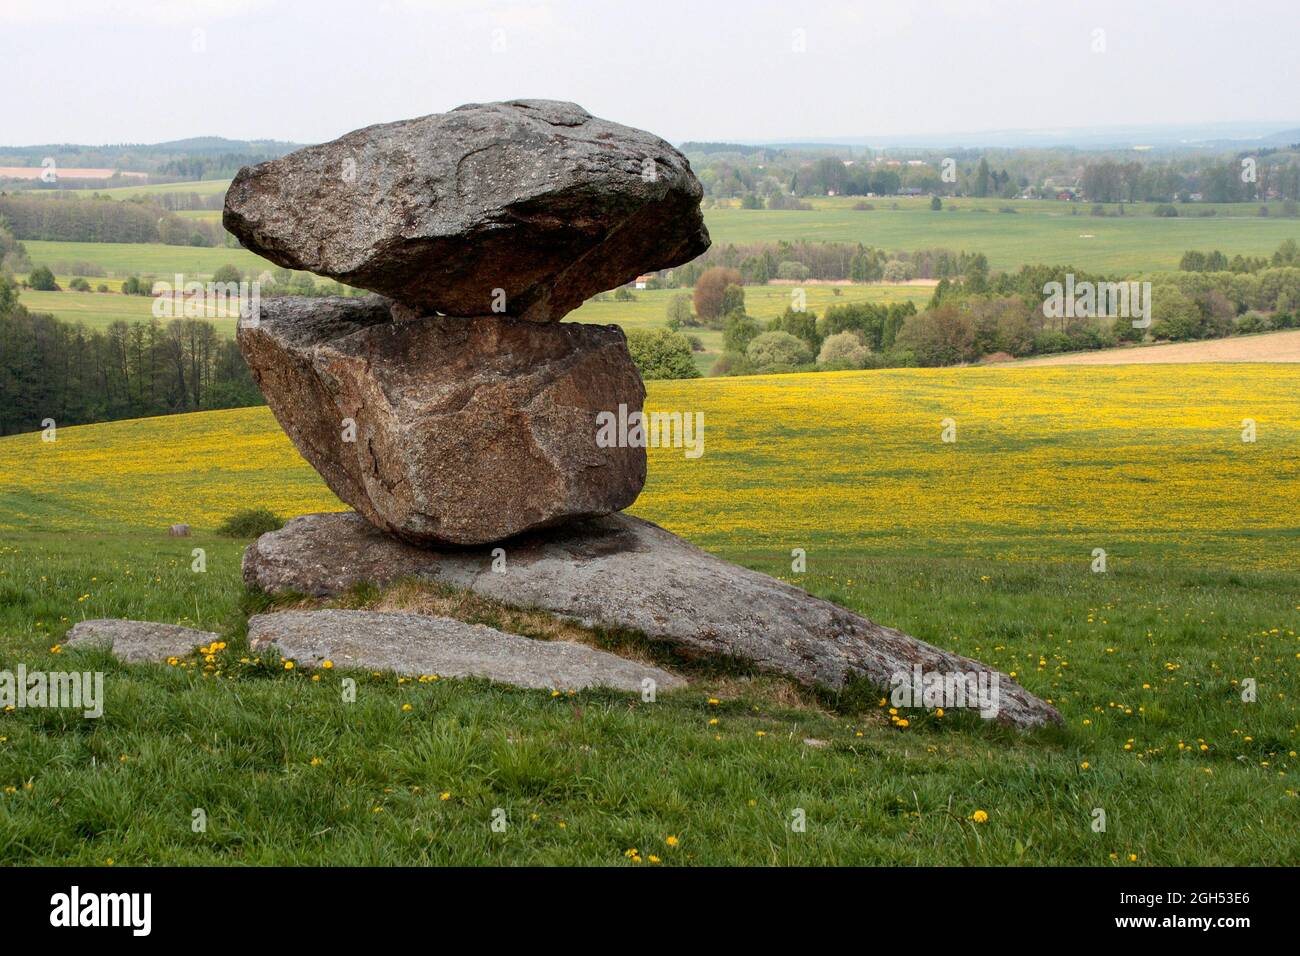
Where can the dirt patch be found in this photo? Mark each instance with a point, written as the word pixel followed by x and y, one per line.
pixel 1270 347
pixel 922 283
pixel 34 172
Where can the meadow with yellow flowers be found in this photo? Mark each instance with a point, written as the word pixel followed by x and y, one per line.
pixel 1175 663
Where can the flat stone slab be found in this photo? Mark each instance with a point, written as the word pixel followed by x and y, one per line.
pixel 621 572
pixel 426 644
pixel 137 641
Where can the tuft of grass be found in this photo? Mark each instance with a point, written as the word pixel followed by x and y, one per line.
pixel 251 523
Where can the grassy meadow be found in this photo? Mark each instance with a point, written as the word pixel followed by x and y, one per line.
pixel 203 187
pixel 984 546
pixel 1039 231
pixel 118 260
pixel 98 310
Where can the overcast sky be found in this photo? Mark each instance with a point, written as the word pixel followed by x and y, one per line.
pixel 110 71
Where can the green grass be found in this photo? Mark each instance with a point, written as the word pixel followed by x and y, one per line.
pixel 98 310
pixel 145 259
pixel 204 215
pixel 204 187
pixel 1038 232
pixel 583 778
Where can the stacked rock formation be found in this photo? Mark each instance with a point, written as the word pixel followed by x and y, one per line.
pixel 453 407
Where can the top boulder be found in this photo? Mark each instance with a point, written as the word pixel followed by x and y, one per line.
pixel 525 208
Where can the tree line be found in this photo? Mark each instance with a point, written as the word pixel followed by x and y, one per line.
pixel 968 318
pixel 1220 182
pixel 1194 260
pixel 51 369
pixel 760 262
pixel 767 178
pixel 63 219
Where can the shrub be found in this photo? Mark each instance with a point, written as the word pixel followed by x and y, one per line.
pixel 730 363
pixel 1252 322
pixel 228 274
pixel 661 353
pixel 777 350
pixel 785 201
pixel 79 284
pixel 1049 341
pixel 738 330
pixel 623 294
pixel 679 311
pixel 792 270
pixel 800 324
pixel 1088 336
pixel 250 523
pixel 733 300
pixel 844 350
pixel 1178 317
pixel 896 271
pixel 42 280
pixel 709 289
pixel 941 336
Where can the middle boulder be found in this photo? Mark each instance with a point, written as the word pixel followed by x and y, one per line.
pixel 451 430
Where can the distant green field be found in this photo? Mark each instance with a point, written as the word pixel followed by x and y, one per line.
pixel 202 215
pixel 204 187
pixel 121 259
pixel 100 310
pixel 1038 232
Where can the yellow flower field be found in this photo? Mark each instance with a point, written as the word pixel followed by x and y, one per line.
pixel 1045 461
